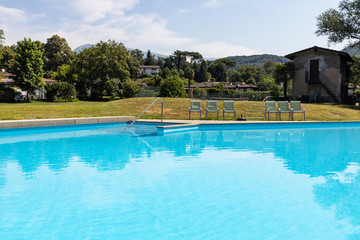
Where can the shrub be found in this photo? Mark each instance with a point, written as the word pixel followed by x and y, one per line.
pixel 60 92
pixel 7 94
pixel 130 88
pixel 172 87
pixel 112 88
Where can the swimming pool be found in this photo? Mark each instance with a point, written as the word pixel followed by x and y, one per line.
pixel 288 181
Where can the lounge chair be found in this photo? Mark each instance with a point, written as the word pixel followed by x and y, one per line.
pixel 314 97
pixel 296 108
pixel 284 108
pixel 211 106
pixel 270 107
pixel 229 108
pixel 195 106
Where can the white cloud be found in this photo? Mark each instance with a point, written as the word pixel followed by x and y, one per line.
pixel 213 3
pixel 93 10
pixel 142 31
pixel 13 14
pixel 219 49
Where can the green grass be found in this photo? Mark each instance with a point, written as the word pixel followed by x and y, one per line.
pixel 174 108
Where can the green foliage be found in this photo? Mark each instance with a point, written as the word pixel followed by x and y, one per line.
pixel 66 73
pixel 112 88
pixel 218 71
pixel 56 53
pixel 203 72
pixel 150 59
pixel 130 88
pixel 154 80
pixel 340 25
pixel 138 55
pixel 283 74
pixel 2 37
pixel 355 71
pixel 7 94
pixel 172 86
pixel 104 61
pixel 28 66
pixel 60 92
pixel 7 58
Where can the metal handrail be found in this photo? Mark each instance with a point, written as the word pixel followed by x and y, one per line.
pixel 162 111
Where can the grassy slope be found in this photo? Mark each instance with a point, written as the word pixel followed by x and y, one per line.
pixel 174 108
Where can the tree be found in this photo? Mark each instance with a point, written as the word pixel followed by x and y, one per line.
pixel 150 59
pixel 355 71
pixel 7 58
pixel 179 58
pixel 104 61
pixel 342 24
pixel 2 37
pixel 218 71
pixel 28 66
pixel 228 63
pixel 172 87
pixel 138 55
pixel 56 53
pixel 203 73
pixel 189 74
pixel 283 73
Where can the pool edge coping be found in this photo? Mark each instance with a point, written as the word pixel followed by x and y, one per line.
pixel 6 124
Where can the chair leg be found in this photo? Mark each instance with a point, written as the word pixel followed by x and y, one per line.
pixel 189 114
pixel 223 115
pixel 200 115
pixel 234 115
pixel 206 115
pixel 217 115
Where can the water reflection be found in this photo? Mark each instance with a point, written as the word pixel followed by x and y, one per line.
pixel 320 163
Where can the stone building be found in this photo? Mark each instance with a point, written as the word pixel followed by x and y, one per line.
pixel 320 74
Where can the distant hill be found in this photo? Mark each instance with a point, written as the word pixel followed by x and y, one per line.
pixel 257 60
pixel 353 51
pixel 82 47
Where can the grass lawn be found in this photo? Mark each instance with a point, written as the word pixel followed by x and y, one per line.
pixel 174 108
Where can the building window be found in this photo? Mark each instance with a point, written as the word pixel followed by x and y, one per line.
pixel 314 74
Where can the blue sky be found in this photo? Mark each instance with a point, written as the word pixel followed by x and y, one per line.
pixel 215 28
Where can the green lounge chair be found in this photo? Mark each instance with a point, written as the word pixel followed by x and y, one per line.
pixel 229 108
pixel 195 106
pixel 270 107
pixel 211 106
pixel 284 108
pixel 296 108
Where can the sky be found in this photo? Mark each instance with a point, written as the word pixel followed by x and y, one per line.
pixel 214 28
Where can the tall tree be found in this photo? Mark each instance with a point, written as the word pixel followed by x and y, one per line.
pixel 203 73
pixel 56 53
pixel 104 61
pixel 150 59
pixel 228 63
pixel 179 59
pixel 138 55
pixel 218 71
pixel 28 66
pixel 283 74
pixel 7 58
pixel 2 37
pixel 342 24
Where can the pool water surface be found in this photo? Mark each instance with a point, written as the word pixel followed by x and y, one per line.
pixel 218 182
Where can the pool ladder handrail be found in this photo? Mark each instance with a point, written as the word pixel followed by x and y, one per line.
pixel 162 111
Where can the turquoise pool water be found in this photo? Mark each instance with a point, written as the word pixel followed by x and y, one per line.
pixel 218 182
